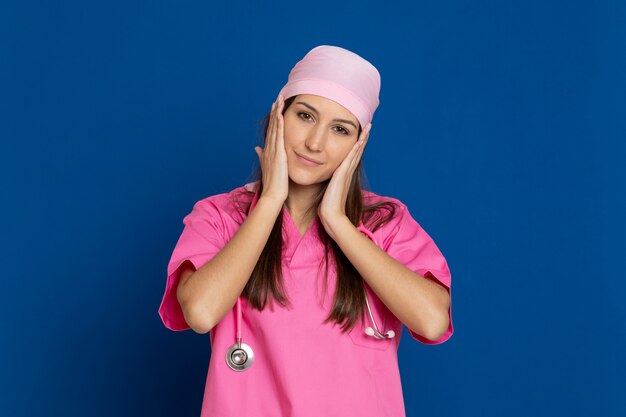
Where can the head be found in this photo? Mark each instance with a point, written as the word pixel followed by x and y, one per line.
pixel 321 130
pixel 330 96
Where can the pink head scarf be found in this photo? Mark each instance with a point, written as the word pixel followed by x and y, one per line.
pixel 339 75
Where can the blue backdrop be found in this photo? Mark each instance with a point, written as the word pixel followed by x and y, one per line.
pixel 501 125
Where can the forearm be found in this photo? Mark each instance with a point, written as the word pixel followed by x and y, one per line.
pixel 422 305
pixel 212 290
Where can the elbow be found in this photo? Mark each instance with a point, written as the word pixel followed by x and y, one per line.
pixel 439 328
pixel 200 329
pixel 439 331
pixel 196 317
pixel 435 329
pixel 198 320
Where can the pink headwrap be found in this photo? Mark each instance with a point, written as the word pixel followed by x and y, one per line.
pixel 339 75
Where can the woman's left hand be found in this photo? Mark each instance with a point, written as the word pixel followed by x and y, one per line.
pixel 333 204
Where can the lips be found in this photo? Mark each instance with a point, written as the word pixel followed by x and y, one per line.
pixel 306 159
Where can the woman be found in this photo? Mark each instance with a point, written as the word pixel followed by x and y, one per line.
pixel 303 278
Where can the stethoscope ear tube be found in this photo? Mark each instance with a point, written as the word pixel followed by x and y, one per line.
pixel 375 332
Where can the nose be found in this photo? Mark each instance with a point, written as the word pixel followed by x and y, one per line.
pixel 316 139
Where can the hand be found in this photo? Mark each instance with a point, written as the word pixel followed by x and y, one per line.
pixel 273 158
pixel 333 204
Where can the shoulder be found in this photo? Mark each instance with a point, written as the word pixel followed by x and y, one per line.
pixel 230 205
pixel 382 211
pixel 370 197
pixel 397 231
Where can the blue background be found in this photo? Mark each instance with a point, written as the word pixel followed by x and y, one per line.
pixel 501 125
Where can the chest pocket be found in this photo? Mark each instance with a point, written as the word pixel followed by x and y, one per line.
pixel 381 314
pixel 360 338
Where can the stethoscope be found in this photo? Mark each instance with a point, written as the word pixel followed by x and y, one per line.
pixel 240 356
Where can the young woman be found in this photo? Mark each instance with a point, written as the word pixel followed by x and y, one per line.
pixel 302 278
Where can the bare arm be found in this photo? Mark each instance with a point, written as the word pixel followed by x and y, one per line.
pixel 419 302
pixel 207 294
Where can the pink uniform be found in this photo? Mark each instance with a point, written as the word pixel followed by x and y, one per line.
pixel 302 367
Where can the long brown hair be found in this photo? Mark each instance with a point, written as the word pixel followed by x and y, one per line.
pixel 266 282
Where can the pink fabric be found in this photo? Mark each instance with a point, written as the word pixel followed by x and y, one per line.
pixel 302 368
pixel 339 75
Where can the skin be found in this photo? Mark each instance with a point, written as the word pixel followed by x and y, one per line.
pixel 206 295
pixel 310 131
pixel 421 303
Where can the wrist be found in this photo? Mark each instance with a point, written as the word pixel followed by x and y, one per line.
pixel 335 225
pixel 270 203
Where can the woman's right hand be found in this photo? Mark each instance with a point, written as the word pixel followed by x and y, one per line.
pixel 273 157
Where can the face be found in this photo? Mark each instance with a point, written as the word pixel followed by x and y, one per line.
pixel 321 130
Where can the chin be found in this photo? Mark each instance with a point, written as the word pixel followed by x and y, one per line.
pixel 304 179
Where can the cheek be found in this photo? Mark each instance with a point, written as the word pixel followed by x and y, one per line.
pixel 341 152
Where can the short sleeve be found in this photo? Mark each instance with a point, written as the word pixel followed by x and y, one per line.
pixel 409 243
pixel 201 239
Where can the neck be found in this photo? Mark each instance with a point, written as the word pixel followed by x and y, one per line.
pixel 300 198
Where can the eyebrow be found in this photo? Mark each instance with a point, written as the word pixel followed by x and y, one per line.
pixel 334 120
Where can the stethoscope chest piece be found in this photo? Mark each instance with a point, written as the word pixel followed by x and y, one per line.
pixel 239 356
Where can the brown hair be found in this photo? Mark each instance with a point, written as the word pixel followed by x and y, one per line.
pixel 266 280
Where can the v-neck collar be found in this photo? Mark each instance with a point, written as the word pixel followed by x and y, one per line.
pixel 291 224
pixel 288 221
pixel 299 249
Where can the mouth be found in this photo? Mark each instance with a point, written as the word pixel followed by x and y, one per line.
pixel 307 161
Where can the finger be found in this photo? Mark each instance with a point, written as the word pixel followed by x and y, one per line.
pixel 364 143
pixel 274 132
pixel 278 122
pixel 354 161
pixel 280 139
pixel 274 120
pixel 364 139
pixel 270 128
pixel 366 132
pixel 360 148
pixel 344 167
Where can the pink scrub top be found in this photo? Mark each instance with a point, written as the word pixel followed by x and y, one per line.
pixel 302 367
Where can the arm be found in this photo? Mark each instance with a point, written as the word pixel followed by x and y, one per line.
pixel 207 294
pixel 418 302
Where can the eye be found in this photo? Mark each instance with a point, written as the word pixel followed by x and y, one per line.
pixel 345 132
pixel 307 116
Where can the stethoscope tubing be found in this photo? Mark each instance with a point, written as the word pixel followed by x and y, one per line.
pixel 239 356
